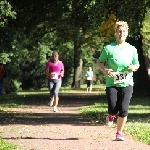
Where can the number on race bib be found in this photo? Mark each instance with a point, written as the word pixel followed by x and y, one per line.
pixel 120 77
pixel 54 75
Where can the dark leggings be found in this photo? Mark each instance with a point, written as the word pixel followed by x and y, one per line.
pixel 89 83
pixel 118 100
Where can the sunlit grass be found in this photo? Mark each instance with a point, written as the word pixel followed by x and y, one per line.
pixel 45 91
pixel 98 86
pixel 7 146
pixel 139 131
pixel 138 124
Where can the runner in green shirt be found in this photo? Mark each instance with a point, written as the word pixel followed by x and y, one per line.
pixel 122 60
pixel 118 59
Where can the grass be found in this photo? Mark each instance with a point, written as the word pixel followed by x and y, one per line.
pixel 7 146
pixel 138 124
pixel 139 119
pixel 11 100
pixel 62 90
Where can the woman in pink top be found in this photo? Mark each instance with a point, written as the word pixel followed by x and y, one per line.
pixel 55 72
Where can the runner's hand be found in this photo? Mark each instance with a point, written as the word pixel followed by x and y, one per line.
pixel 131 67
pixel 109 72
pixel 62 74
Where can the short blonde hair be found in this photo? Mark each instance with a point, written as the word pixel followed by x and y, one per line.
pixel 122 24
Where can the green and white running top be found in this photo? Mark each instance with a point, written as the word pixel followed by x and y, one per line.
pixel 118 59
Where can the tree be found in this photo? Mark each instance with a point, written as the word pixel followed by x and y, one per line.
pixel 146 40
pixel 6 13
pixel 76 26
pixel 68 26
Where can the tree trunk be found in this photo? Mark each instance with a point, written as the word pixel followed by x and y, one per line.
pixel 77 60
pixel 141 79
pixel 147 62
pixel 77 75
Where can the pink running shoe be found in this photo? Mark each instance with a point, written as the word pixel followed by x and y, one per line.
pixel 119 137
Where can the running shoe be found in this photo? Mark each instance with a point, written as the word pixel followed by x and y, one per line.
pixel 119 137
pixel 55 109
pixel 50 103
pixel 109 120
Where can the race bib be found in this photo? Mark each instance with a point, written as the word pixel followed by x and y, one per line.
pixel 54 75
pixel 89 78
pixel 120 77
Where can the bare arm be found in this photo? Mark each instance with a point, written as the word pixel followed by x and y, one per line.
pixel 62 72
pixel 108 72
pixel 134 67
pixel 47 71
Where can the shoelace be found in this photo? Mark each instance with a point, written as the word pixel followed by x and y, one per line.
pixel 119 134
pixel 112 117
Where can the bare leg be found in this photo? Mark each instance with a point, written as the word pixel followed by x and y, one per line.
pixel 121 123
pixel 56 99
pixel 87 89
pixel 90 88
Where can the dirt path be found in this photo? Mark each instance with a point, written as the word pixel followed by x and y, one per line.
pixel 34 126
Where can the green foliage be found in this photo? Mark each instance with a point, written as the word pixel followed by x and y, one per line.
pixel 13 80
pixel 11 86
pixel 5 12
pixel 5 57
pixel 45 26
pixel 6 52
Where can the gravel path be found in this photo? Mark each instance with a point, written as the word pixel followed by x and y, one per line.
pixel 34 126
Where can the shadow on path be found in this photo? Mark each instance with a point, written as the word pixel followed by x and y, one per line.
pixel 35 111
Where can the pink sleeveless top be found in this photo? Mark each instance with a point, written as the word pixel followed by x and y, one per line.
pixel 55 68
